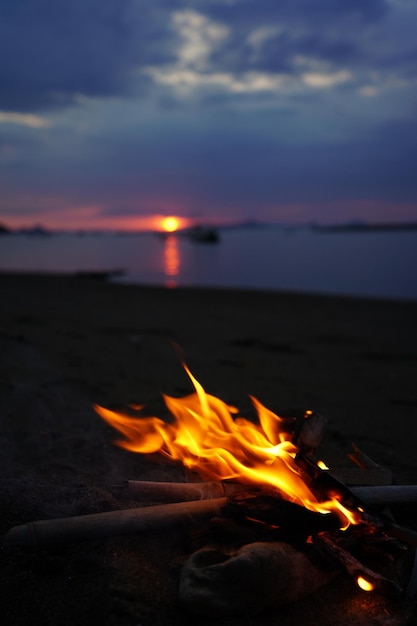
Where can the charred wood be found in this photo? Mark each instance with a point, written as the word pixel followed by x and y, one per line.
pixel 279 516
pixel 355 568
pixel 152 491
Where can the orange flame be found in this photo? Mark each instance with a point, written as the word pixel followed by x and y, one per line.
pixel 364 584
pixel 206 438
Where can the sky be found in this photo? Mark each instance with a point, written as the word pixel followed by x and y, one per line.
pixel 114 112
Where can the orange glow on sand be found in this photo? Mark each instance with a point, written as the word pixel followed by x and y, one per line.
pixel 206 436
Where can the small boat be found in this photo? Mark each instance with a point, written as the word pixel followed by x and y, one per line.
pixel 203 234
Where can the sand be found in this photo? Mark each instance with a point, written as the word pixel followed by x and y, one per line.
pixel 67 343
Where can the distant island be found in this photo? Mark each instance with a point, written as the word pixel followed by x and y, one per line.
pixel 33 230
pixel 358 226
pixel 211 232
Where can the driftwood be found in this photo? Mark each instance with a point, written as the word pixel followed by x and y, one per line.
pixel 150 491
pixel 143 519
pixel 111 523
pixel 386 494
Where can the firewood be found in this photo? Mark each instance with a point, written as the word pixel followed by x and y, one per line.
pixel 388 494
pixel 310 432
pixel 291 519
pixel 361 459
pixel 355 568
pixel 264 505
pixel 355 476
pixel 111 523
pixel 152 491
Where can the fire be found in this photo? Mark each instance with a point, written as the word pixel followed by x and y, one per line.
pixel 364 584
pixel 207 438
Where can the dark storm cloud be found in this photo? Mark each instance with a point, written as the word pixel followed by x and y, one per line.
pixel 325 29
pixel 51 51
pixel 249 11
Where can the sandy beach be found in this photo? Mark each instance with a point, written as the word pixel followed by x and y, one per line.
pixel 67 343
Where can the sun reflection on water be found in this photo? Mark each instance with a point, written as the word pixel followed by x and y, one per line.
pixel 171 261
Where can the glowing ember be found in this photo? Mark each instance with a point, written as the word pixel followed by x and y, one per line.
pixel 206 438
pixel 364 584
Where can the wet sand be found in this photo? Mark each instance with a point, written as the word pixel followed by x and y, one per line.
pixel 67 343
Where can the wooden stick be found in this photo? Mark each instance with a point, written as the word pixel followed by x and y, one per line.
pixel 355 476
pixel 150 491
pixel 355 568
pixel 111 523
pixel 144 519
pixel 361 459
pixel 386 494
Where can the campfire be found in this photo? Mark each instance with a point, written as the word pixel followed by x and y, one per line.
pixel 274 523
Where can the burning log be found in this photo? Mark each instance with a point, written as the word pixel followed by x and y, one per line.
pixel 285 518
pixel 154 491
pixel 255 503
pixel 111 523
pixel 371 579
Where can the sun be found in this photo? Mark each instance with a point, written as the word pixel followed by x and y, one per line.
pixel 170 224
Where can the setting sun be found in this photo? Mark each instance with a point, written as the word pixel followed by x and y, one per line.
pixel 170 224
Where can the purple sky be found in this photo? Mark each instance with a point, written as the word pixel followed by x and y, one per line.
pixel 290 110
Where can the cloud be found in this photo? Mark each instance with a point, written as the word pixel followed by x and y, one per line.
pixel 24 119
pixel 199 66
pixel 53 50
pixel 251 49
pixel 199 37
pixel 322 80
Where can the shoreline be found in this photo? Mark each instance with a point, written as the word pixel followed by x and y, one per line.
pixel 119 277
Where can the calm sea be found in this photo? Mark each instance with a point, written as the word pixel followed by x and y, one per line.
pixel 381 264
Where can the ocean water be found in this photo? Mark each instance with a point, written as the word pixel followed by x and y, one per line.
pixel 374 264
